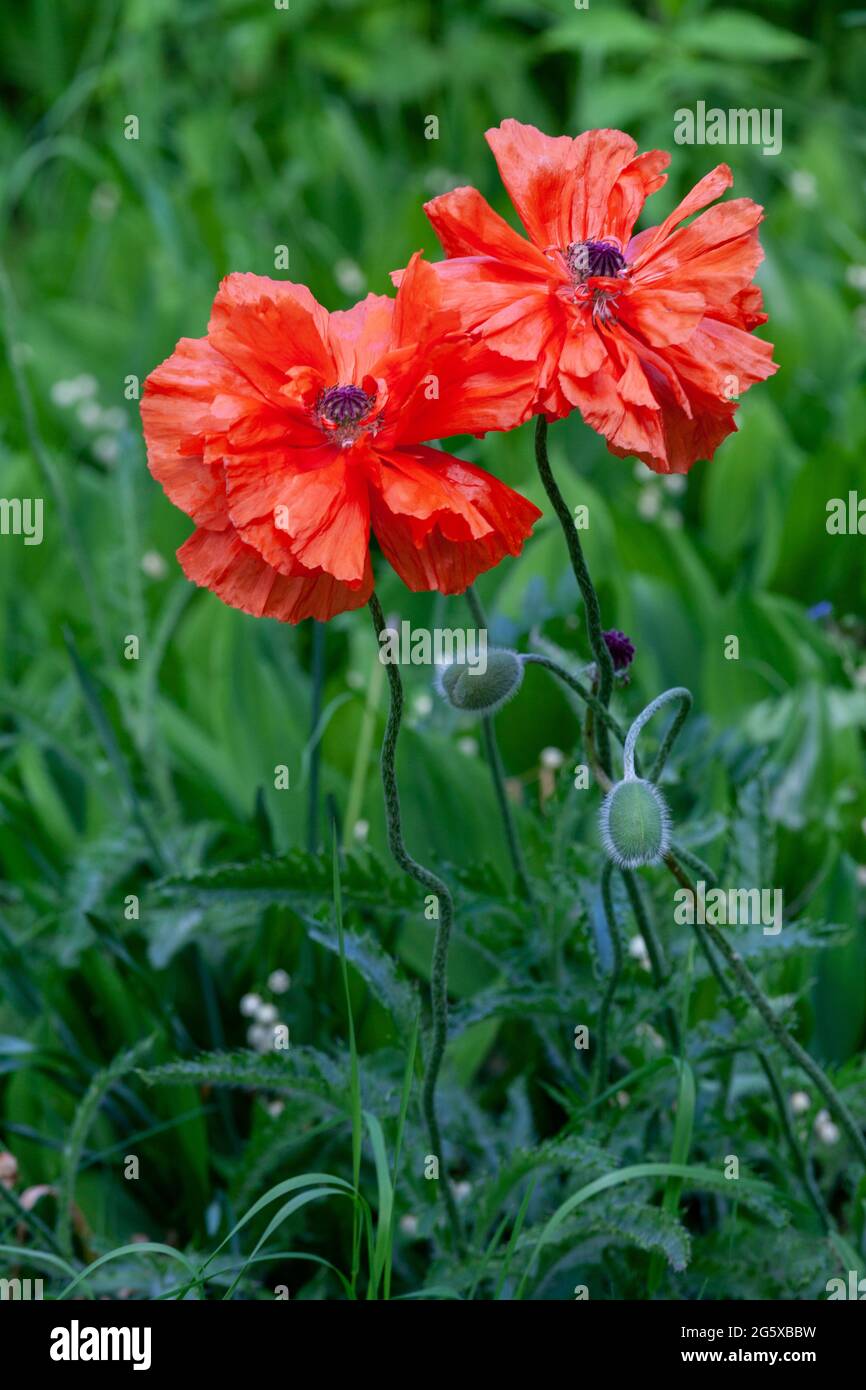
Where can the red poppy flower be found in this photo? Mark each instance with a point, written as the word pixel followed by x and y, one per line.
pixel 288 433
pixel 648 336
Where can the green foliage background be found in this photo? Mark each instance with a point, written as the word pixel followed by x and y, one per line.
pixel 306 127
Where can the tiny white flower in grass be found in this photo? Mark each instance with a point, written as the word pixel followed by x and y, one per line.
pixel 623 1099
pixel 64 393
pixel 266 1013
pixel 468 746
pixel 649 503
pixel 250 1005
pixel 361 830
pixel 643 474
pixel 461 1190
pixel 349 276
pixel 106 448
pixel 257 1037
pixel 114 418
pixel 409 1224
pixel 803 186
pixel 438 180
pixel 800 1102
pixel 275 1108
pixel 825 1129
pixel 646 1030
pixel 552 758
pixel 279 981
pixel 154 565
pixel 90 414
pixel 104 201
pixel 855 276
pixel 638 951
pixel 674 482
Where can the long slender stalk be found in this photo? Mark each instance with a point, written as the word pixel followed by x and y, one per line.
pixel 760 1002
pixel 363 752
pixel 646 927
pixel 601 740
pixel 769 1069
pixel 437 886
pixel 600 1073
pixel 318 681
pixel 756 996
pixel 592 701
pixel 497 773
pixel 603 658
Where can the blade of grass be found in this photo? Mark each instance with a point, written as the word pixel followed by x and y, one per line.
pixel 385 1212
pixel 145 1247
pixel 355 1074
pixel 363 752
pixel 21 1254
pixel 513 1238
pixel 278 1190
pixel 84 1117
pixel 408 1076
pixel 286 1210
pixel 680 1146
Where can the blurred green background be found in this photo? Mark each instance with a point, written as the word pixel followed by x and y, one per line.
pixel 305 127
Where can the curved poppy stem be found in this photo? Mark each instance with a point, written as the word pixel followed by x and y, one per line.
pixel 437 886
pixel 592 701
pixel 684 697
pixel 603 658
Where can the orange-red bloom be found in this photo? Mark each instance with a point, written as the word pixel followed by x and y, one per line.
pixel 648 335
pixel 288 433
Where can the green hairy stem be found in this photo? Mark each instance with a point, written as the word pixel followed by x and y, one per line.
pixel 603 658
pixel 436 885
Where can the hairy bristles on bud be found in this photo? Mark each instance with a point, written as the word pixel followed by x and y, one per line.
pixel 481 689
pixel 635 824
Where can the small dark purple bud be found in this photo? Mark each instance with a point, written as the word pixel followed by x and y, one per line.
pixel 620 648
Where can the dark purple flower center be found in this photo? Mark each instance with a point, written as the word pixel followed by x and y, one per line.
pixel 586 259
pixel 620 648
pixel 344 405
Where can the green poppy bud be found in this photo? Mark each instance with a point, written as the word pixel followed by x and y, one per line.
pixel 481 690
pixel 635 824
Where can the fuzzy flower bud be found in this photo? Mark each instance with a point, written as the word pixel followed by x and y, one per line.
pixel 635 824
pixel 481 690
pixel 635 820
